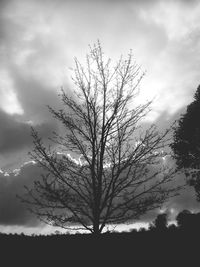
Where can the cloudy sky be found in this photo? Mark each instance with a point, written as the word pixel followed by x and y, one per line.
pixel 38 40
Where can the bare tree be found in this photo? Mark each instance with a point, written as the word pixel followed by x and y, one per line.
pixel 119 175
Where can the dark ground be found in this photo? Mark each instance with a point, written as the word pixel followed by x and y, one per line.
pixel 170 247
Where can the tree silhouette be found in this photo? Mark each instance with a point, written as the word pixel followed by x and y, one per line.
pixel 189 221
pixel 119 175
pixel 186 145
pixel 160 222
pixel 184 219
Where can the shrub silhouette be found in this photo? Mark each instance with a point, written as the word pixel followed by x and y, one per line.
pixel 188 221
pixel 183 219
pixel 160 222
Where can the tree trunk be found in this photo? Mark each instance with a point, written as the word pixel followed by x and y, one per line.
pixel 96 228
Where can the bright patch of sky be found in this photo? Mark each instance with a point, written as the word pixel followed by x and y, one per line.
pixel 8 100
pixel 41 40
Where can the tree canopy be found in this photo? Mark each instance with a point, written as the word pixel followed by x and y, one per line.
pixel 186 144
pixel 120 174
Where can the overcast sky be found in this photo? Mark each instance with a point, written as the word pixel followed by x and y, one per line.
pixel 38 40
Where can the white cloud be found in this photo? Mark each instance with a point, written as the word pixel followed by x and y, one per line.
pixel 163 35
pixel 173 74
pixel 8 98
pixel 178 19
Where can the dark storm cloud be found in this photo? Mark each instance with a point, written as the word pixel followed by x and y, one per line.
pixel 12 211
pixel 16 135
pixel 34 97
pixel 15 130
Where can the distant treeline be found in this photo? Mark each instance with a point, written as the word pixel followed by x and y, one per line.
pixel 185 220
